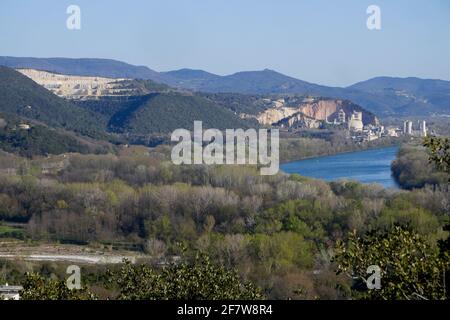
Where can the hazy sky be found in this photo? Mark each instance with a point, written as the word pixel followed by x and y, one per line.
pixel 325 42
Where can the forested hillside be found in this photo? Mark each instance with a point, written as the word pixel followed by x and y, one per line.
pixel 161 110
pixel 164 113
pixel 26 138
pixel 21 96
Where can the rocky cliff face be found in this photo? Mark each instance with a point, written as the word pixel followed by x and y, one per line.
pixel 322 109
pixel 298 120
pixel 273 115
pixel 317 110
pixel 78 87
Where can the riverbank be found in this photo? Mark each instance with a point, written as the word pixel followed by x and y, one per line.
pixel 412 169
pixel 296 149
pixel 366 166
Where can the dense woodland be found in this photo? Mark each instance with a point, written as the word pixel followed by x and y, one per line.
pixel 412 169
pixel 279 232
pixel 38 139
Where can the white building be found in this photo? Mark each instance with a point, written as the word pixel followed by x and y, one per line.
pixel 409 130
pixel 341 116
pixel 423 128
pixel 392 132
pixel 8 292
pixel 407 127
pixel 24 126
pixel 356 123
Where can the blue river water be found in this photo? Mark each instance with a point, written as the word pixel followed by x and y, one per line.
pixel 369 166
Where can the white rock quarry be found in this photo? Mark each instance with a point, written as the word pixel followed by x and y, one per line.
pixel 78 87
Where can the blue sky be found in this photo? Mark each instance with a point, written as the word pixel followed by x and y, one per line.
pixel 321 41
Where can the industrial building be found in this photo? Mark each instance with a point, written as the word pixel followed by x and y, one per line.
pixel 409 130
pixel 355 123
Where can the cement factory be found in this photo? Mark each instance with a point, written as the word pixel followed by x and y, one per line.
pixel 409 130
pixel 360 132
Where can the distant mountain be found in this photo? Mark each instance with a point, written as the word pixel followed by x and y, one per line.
pixel 416 85
pixel 189 76
pixel 383 96
pixel 83 67
pixel 410 95
pixel 247 82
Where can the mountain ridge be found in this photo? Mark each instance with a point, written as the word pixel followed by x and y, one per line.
pixel 160 111
pixel 409 96
pixel 109 68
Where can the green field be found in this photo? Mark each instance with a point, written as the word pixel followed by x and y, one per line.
pixel 11 232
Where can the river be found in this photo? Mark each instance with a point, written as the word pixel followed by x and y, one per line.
pixel 369 166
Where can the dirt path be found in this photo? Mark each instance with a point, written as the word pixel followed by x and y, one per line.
pixel 89 259
pixel 18 250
